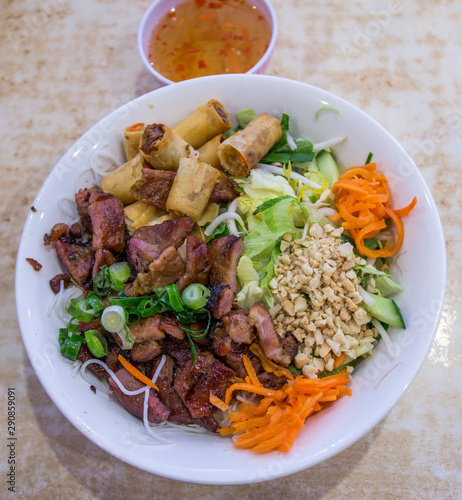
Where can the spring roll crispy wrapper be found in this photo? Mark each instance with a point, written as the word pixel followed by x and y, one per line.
pixel 208 152
pixel 162 148
pixel 132 136
pixel 192 188
pixel 119 181
pixel 243 150
pixel 205 123
pixel 140 213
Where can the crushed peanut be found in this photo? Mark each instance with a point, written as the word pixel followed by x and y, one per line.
pixel 318 292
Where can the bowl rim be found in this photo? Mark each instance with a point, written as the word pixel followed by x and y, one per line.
pixel 296 467
pixel 259 65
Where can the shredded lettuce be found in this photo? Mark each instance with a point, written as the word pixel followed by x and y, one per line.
pixel 261 186
pixel 282 152
pixel 285 216
pixel 246 272
pixel 252 293
pixel 245 116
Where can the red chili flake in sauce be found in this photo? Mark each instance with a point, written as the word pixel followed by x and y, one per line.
pixel 201 63
pixel 200 3
pixel 193 50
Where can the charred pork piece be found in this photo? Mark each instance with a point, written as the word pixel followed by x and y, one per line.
pixel 75 231
pixel 272 381
pixel 55 282
pixel 220 343
pixel 269 340
pixel 225 252
pixel 84 355
pixel 59 230
pixel 94 324
pixel 290 346
pixel 147 350
pixel 102 258
pixel 78 260
pixel 195 384
pixel 154 187
pixel 108 222
pixel 112 357
pixel 148 242
pixel 82 200
pixel 198 263
pixel 170 325
pixel 220 300
pixel 166 269
pixel 179 350
pixel 179 413
pixel 157 412
pixel 224 190
pixel 237 326
pixel 147 329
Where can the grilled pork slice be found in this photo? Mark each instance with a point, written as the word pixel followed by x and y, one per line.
pixel 157 412
pixel 77 258
pixel 225 252
pixel 269 340
pixel 148 242
pixel 108 222
pixel 198 263
pixel 154 187
pixel 195 384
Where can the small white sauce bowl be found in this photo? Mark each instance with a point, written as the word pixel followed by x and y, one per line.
pixel 159 8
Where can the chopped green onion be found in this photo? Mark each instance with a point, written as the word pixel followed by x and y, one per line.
pixel 72 346
pixel 195 296
pixel 149 307
pixel 73 326
pixel 102 283
pixel 113 318
pixel 326 106
pixel 80 309
pixel 174 297
pixel 95 303
pixel 96 343
pixel 119 272
pixel 125 301
pixel 193 350
pixel 132 316
pixel 369 158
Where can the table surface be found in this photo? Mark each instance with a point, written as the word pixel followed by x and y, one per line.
pixel 65 65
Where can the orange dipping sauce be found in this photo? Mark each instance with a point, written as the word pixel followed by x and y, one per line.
pixel 208 37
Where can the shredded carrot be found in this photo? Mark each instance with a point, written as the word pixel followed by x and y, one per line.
pixel 208 16
pixel 338 360
pixel 135 127
pixel 281 415
pixel 250 371
pixel 221 405
pixel 268 365
pixel 362 199
pixel 276 394
pixel 229 53
pixel 136 373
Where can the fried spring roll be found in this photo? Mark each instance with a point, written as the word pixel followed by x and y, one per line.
pixel 208 152
pixel 120 181
pixel 243 150
pixel 140 213
pixel 192 188
pixel 162 148
pixel 132 136
pixel 205 123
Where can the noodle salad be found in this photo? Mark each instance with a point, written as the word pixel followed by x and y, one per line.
pixel 227 279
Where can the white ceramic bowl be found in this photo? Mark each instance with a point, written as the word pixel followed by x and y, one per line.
pixel 160 7
pixel 377 384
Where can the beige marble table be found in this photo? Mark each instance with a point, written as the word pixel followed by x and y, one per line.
pixel 66 64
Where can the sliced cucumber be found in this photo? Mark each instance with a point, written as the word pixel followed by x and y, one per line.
pixel 328 166
pixel 386 286
pixel 385 310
